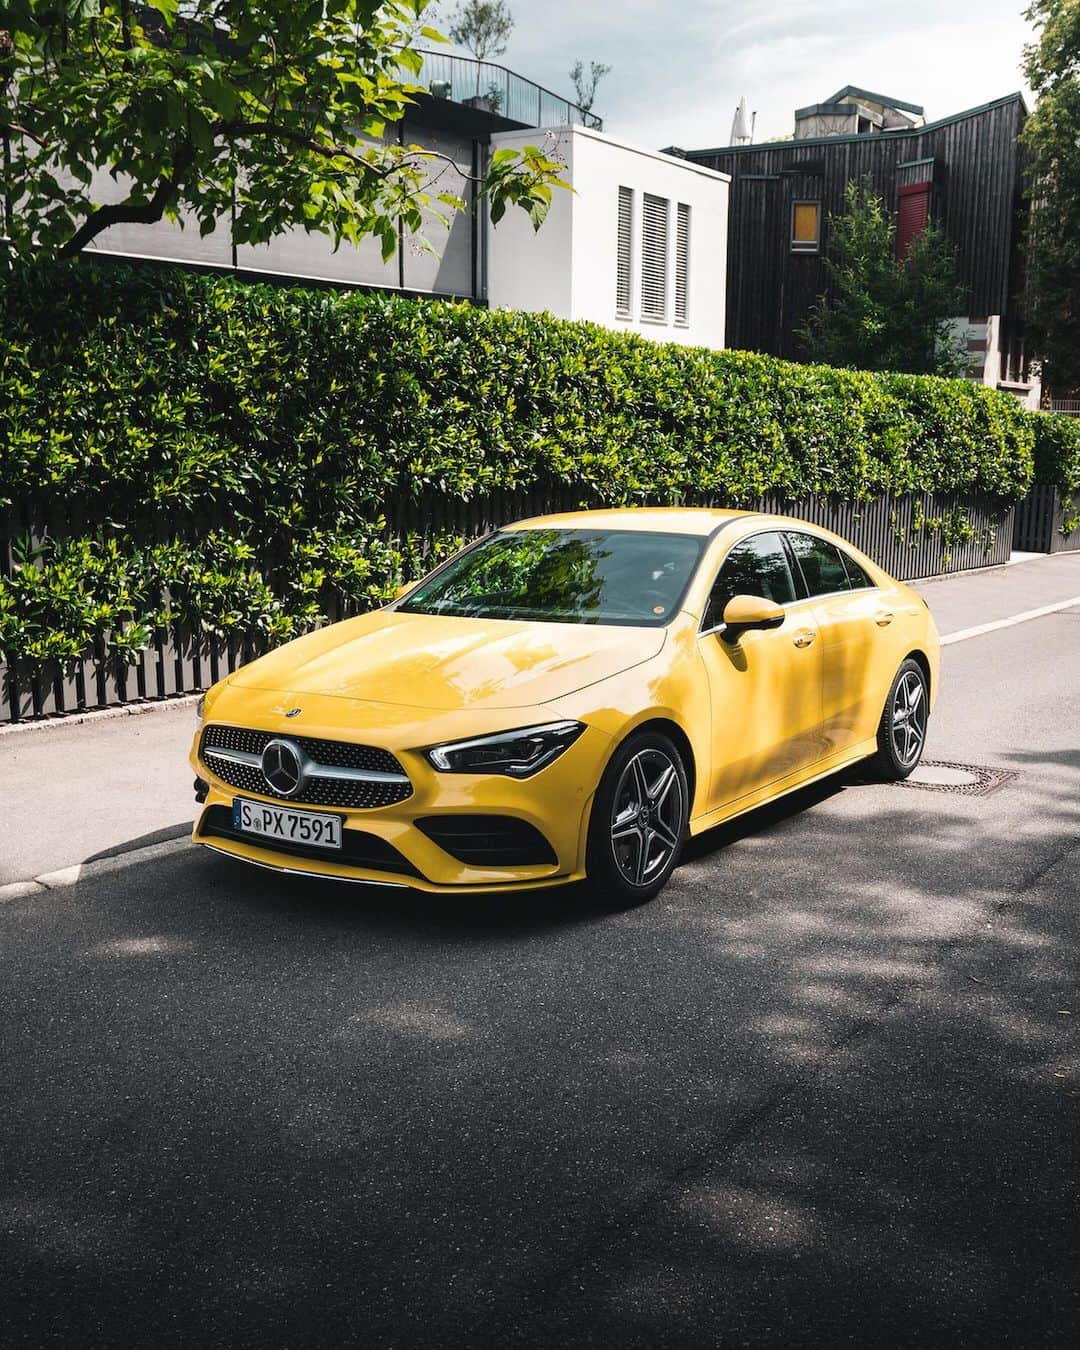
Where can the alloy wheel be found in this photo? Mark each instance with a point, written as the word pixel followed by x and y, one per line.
pixel 647 816
pixel 909 713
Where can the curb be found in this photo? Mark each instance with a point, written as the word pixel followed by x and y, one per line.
pixel 101 714
pixel 978 571
pixel 87 871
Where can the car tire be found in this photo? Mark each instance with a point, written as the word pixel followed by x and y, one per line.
pixel 901 733
pixel 638 821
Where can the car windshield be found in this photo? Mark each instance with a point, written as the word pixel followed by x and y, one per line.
pixel 634 577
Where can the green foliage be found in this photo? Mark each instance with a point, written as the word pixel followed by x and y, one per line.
pixel 1052 138
pixel 1057 450
pixel 881 312
pixel 225 454
pixel 264 114
pixel 1057 461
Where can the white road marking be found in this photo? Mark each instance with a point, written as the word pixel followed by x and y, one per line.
pixel 979 629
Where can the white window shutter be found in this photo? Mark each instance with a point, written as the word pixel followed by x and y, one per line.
pixel 682 264
pixel 625 254
pixel 654 257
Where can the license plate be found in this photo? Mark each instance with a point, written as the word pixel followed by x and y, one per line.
pixel 283 823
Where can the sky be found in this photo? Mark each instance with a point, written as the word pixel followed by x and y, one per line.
pixel 679 70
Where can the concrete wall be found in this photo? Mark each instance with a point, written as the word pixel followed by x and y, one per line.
pixel 438 261
pixel 984 341
pixel 568 267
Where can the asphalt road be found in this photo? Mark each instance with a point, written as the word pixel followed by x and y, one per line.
pixel 824 1091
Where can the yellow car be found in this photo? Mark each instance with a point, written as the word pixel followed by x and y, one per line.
pixel 568 698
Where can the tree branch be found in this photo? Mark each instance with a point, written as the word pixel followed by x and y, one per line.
pixel 331 150
pixel 17 129
pixel 129 212
pixel 326 150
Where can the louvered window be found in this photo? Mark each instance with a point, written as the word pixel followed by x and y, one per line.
pixel 654 257
pixel 914 216
pixel 625 260
pixel 682 264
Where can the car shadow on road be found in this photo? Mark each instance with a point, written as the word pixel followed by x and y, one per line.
pixel 763 818
pixel 503 914
pixel 398 909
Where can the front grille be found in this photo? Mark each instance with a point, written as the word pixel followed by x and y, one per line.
pixel 488 841
pixel 359 849
pixel 348 793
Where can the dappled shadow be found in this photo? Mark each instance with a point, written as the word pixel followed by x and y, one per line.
pixel 1070 759
pixel 913 1178
pixel 809 1096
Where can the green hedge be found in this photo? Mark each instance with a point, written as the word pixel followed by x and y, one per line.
pixel 1057 450
pixel 222 454
pixel 1057 462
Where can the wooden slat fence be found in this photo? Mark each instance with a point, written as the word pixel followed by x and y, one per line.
pixel 890 530
pixel 1039 519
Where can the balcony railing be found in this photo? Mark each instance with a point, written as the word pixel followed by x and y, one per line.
pixel 482 84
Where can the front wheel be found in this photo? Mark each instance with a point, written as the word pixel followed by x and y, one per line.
pixel 638 821
pixel 902 729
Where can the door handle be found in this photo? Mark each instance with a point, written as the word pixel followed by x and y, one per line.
pixel 804 637
pixel 883 618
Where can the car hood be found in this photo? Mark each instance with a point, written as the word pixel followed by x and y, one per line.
pixel 437 661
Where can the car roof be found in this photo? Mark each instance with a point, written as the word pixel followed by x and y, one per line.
pixel 699 520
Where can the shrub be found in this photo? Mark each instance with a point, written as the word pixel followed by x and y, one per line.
pixel 1057 450
pixel 1057 462
pixel 236 457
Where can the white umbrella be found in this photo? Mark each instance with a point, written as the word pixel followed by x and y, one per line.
pixel 740 128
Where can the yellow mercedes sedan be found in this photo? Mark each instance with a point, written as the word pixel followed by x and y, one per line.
pixel 566 700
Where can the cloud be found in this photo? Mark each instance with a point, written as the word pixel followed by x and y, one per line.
pixel 679 70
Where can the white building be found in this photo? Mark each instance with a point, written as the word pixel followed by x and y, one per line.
pixel 639 245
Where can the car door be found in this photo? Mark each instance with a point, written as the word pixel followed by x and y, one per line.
pixel 764 689
pixel 850 616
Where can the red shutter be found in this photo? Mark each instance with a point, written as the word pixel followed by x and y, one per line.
pixel 914 214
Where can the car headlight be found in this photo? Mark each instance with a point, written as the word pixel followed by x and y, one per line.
pixel 200 708
pixel 518 754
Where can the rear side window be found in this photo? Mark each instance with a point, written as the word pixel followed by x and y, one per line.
pixel 757 566
pixel 821 563
pixel 857 576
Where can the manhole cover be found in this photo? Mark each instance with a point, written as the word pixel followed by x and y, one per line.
pixel 970 780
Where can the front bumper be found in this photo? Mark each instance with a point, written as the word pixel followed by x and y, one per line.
pixel 555 802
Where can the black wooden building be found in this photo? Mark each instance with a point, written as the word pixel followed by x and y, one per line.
pixel 964 171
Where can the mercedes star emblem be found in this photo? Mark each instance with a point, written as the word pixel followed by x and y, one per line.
pixel 283 767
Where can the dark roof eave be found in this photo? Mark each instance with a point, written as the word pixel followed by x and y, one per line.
pixel 836 110
pixel 849 89
pixel 888 133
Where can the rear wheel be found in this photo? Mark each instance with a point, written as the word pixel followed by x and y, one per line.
pixel 902 729
pixel 638 821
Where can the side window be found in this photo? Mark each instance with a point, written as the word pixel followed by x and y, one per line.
pixel 821 563
pixel 757 566
pixel 856 575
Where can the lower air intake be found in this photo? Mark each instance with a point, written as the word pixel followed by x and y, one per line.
pixel 488 841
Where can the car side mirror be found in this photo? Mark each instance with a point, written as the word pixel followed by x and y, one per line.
pixel 401 590
pixel 744 612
